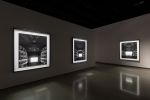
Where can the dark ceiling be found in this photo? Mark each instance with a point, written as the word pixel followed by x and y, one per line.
pixel 88 13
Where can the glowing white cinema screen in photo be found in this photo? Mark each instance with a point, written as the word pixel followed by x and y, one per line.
pixel 128 53
pixel 129 80
pixel 34 59
pixel 80 55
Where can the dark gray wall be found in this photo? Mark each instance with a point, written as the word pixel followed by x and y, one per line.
pixel 12 16
pixel 108 39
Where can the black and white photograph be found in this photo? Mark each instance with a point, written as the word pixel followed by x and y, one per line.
pixel 79 50
pixel 31 50
pixel 129 50
pixel 80 89
pixel 130 83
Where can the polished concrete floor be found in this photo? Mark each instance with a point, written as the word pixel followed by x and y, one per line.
pixel 104 82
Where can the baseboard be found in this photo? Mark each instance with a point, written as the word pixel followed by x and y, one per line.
pixel 106 63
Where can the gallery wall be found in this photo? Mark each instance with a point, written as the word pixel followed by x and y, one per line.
pixel 108 40
pixel 61 33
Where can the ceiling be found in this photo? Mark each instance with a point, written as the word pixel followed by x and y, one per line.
pixel 88 13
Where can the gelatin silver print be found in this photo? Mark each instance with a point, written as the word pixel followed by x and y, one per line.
pixel 79 50
pixel 129 50
pixel 31 50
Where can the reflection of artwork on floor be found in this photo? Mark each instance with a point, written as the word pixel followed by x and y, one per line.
pixel 130 83
pixel 129 50
pixel 42 94
pixel 80 88
pixel 31 50
pixel 79 50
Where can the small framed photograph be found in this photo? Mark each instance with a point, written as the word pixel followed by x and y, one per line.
pixel 129 50
pixel 31 50
pixel 79 50
pixel 130 83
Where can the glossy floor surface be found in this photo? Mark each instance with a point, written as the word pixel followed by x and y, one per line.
pixel 104 82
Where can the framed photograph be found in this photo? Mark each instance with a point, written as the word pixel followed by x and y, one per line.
pixel 80 88
pixel 79 50
pixel 31 50
pixel 129 50
pixel 130 83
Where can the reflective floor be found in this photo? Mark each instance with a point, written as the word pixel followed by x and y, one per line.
pixel 104 82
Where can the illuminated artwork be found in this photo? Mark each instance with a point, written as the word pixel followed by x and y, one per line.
pixel 31 50
pixel 129 83
pixel 129 50
pixel 79 50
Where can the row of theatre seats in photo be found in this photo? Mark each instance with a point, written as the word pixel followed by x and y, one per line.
pixel 36 57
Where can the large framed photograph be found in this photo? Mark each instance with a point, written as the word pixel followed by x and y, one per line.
pixel 129 50
pixel 130 83
pixel 79 50
pixel 31 50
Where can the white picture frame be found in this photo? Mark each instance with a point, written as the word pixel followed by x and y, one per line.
pixel 129 50
pixel 79 53
pixel 33 41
